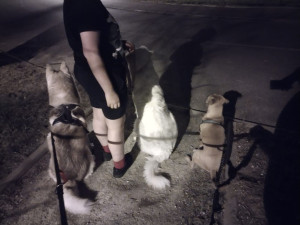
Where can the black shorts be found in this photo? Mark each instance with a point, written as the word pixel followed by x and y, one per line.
pixel 117 75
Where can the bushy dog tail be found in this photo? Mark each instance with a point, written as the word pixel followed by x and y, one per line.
pixel 73 203
pixel 152 176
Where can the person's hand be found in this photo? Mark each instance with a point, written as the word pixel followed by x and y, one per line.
pixel 112 100
pixel 129 46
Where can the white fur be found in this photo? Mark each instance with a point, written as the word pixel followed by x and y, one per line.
pixel 157 137
pixel 75 204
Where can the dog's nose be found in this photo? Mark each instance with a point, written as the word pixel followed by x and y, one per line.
pixel 67 115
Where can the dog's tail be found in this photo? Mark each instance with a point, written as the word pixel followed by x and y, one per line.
pixel 73 203
pixel 152 176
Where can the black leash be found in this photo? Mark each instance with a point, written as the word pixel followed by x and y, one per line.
pixel 59 187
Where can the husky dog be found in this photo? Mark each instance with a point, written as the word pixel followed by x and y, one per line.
pixel 69 138
pixel 212 137
pixel 157 137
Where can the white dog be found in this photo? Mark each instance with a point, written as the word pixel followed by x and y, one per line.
pixel 157 137
pixel 68 129
pixel 155 127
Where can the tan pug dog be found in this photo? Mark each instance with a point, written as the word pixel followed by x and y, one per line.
pixel 69 133
pixel 212 137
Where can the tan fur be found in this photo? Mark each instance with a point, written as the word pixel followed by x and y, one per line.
pixel 70 141
pixel 209 158
pixel 61 87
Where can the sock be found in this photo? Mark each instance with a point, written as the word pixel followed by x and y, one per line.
pixel 120 164
pixel 106 148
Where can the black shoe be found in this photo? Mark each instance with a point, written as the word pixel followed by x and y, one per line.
pixel 118 173
pixel 106 156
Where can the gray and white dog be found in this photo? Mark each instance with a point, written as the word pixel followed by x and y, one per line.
pixel 69 133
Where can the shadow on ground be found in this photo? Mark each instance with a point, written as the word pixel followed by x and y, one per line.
pixel 282 184
pixel 176 80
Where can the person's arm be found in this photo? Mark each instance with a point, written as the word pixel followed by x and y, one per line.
pixel 90 46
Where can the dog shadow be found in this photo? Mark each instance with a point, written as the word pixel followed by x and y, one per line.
pixel 176 80
pixel 228 114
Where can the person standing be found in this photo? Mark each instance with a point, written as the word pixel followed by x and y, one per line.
pixel 100 68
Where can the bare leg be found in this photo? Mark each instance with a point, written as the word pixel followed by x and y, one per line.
pixel 99 126
pixel 116 138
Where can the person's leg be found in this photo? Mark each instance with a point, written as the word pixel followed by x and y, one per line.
pixel 116 138
pixel 116 145
pixel 99 126
pixel 100 130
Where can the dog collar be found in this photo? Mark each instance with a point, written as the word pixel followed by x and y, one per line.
pixel 212 122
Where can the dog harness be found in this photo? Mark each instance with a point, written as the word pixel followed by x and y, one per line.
pixel 212 121
pixel 66 117
pixel 211 145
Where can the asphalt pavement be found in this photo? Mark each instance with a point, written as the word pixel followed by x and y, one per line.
pixel 247 47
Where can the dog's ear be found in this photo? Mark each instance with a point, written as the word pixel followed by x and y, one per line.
pixel 211 100
pixel 64 68
pixel 226 101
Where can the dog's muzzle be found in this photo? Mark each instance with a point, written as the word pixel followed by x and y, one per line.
pixel 66 116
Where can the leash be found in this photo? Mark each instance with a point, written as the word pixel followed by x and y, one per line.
pixel 59 186
pixel 66 118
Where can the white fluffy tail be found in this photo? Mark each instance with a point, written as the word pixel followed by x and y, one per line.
pixel 75 204
pixel 152 176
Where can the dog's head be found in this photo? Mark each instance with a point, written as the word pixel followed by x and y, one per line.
pixel 216 99
pixel 61 86
pixel 158 96
pixel 67 120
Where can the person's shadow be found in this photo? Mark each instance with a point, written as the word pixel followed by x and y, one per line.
pixel 282 183
pixel 176 80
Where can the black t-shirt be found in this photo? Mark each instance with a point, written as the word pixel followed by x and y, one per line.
pixel 89 15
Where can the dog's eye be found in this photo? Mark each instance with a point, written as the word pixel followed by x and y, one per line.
pixel 78 112
pixel 56 112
